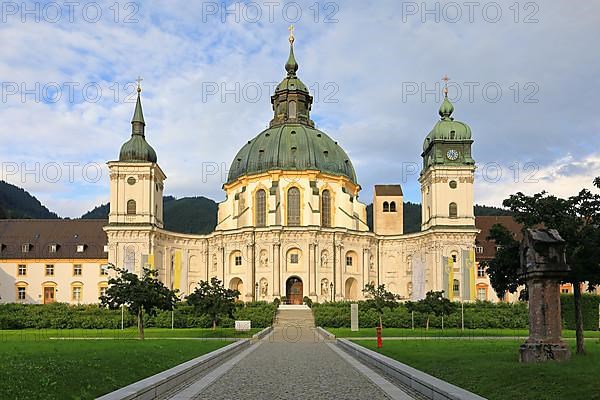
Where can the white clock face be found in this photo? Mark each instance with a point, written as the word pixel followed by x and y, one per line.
pixel 452 155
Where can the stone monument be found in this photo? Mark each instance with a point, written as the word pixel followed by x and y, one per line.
pixel 543 266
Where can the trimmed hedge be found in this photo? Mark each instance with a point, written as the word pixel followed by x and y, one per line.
pixel 589 310
pixel 65 316
pixel 477 315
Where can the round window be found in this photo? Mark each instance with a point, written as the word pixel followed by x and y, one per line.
pixel 453 185
pixel 131 180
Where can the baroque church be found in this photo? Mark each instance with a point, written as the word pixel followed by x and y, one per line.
pixel 292 225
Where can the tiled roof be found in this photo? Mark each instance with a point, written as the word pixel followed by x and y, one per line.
pixel 484 224
pixel 388 190
pixel 41 234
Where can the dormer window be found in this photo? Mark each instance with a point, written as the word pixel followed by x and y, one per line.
pixel 106 248
pixel 80 248
pixel 25 247
pixel 53 248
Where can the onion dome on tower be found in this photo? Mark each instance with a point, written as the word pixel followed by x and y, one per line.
pixel 291 142
pixel 136 149
pixel 449 142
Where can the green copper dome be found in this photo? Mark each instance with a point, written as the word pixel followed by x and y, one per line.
pixel 136 149
pixel 447 128
pixel 291 143
pixel 291 147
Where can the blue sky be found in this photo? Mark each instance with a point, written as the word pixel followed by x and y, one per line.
pixel 523 75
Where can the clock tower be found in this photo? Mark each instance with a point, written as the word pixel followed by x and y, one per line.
pixel 448 173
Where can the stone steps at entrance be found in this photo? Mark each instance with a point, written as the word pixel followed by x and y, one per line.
pixel 293 307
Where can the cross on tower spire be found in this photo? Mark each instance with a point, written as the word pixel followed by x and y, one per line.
pixel 139 84
pixel 292 38
pixel 446 80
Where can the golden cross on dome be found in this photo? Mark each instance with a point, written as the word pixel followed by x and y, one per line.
pixel 446 80
pixel 139 82
pixel 292 38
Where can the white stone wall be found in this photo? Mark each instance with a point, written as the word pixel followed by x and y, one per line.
pixel 238 210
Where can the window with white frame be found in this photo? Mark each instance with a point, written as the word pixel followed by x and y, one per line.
pixel 102 291
pixel 77 270
pixel 481 294
pixel 481 271
pixel 21 292
pixel 53 248
pixel 348 261
pixel 80 248
pixel 25 247
pixel 49 270
pixel 238 261
pixel 479 249
pixel 22 270
pixel 456 287
pixel 103 270
pixel 294 257
pixel 76 293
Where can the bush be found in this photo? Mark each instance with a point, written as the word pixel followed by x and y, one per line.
pixel 589 310
pixel 65 316
pixel 477 315
pixel 307 300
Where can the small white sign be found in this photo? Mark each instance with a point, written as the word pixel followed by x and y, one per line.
pixel 243 325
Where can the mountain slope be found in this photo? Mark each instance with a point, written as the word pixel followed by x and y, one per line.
pixel 186 215
pixel 17 203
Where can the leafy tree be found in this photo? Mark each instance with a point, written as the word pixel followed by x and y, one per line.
pixel 213 299
pixel 379 298
pixel 141 295
pixel 503 268
pixel 577 219
pixel 434 303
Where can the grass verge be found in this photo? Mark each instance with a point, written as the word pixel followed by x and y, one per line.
pixel 491 369
pixel 453 332
pixel 85 369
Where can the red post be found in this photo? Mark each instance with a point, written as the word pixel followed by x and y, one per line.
pixel 379 341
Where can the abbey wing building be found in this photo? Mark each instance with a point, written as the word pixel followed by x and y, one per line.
pixel 292 225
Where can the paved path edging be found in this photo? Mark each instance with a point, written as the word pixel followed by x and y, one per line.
pixel 429 386
pixel 156 385
pixel 262 334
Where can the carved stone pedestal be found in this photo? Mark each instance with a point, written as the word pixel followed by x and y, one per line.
pixel 542 266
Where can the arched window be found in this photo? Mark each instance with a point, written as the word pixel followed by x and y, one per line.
pixel 131 207
pixel 453 210
pixel 293 207
pixel 393 206
pixel 456 287
pixel 386 206
pixel 326 209
pixel 292 109
pixel 261 208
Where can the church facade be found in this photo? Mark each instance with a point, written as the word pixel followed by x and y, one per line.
pixel 292 225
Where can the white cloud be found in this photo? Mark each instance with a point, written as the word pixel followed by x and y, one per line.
pixel 369 54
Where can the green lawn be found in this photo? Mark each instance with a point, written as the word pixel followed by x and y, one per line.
pixel 128 333
pixel 85 369
pixel 400 332
pixel 491 369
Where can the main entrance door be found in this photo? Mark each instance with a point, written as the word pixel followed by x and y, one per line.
pixel 293 290
pixel 49 294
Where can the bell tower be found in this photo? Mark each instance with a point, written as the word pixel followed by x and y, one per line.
pixel 136 180
pixel 448 173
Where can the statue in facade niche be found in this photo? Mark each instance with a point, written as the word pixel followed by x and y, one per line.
pixel 324 259
pixel 264 288
pixel 324 287
pixel 264 259
pixel 214 262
